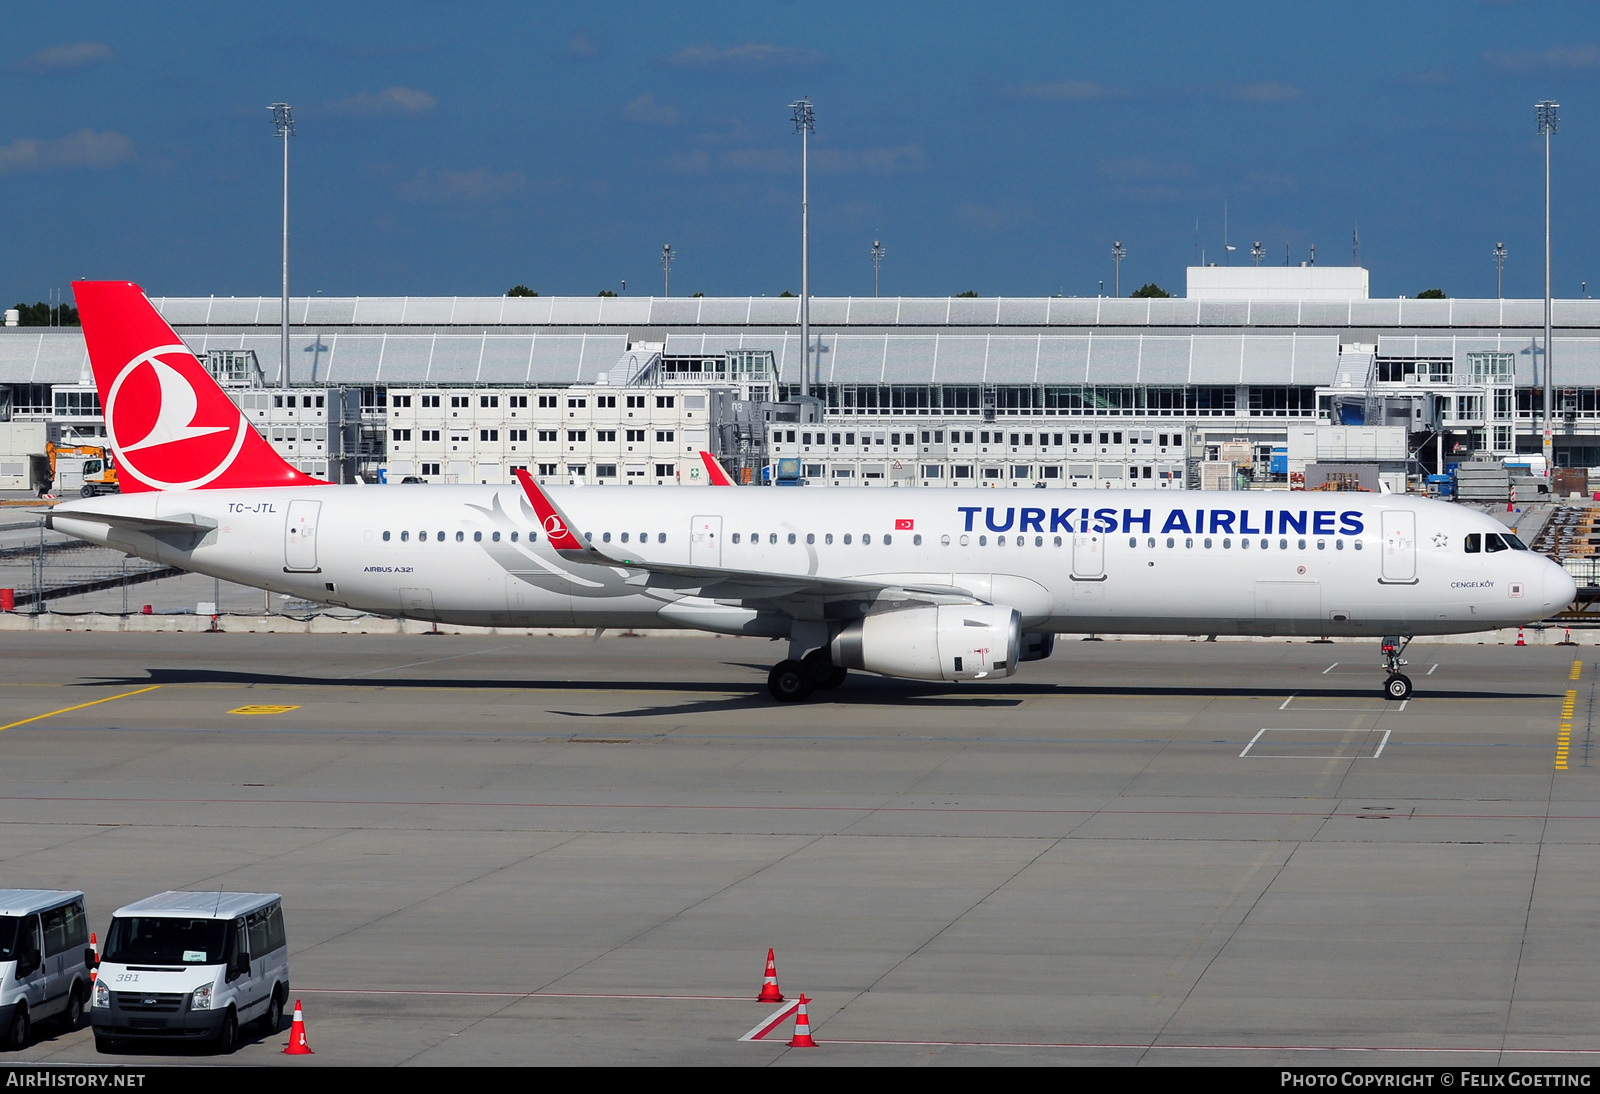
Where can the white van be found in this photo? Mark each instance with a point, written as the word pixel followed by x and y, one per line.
pixel 44 960
pixel 192 966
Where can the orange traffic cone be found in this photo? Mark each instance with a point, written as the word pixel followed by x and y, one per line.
pixel 769 983
pixel 297 1035
pixel 94 970
pixel 1520 642
pixel 802 1027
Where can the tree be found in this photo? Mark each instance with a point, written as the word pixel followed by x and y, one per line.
pixel 1432 294
pixel 970 294
pixel 1151 290
pixel 605 292
pixel 520 290
pixel 40 315
pixel 785 292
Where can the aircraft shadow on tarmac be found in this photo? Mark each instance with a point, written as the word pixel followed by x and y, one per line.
pixel 861 689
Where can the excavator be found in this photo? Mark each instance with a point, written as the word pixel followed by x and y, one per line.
pixel 96 475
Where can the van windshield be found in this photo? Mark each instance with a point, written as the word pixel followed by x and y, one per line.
pixel 152 940
pixel 8 937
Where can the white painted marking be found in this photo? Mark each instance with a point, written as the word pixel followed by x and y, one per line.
pixel 1330 668
pixel 772 1021
pixel 1287 701
pixel 1309 729
pixel 1385 740
pixel 1253 740
pixel 1430 671
pixel 1403 703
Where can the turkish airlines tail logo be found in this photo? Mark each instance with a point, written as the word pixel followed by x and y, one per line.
pixel 170 426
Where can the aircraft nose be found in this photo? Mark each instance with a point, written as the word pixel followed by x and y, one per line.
pixel 1559 587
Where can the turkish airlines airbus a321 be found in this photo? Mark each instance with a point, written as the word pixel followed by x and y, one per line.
pixel 922 583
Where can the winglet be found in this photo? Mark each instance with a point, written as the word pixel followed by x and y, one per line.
pixel 719 477
pixel 562 535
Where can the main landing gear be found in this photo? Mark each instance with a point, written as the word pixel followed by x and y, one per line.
pixel 793 681
pixel 1398 685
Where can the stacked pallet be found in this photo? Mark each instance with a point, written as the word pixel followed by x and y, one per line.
pixel 1483 480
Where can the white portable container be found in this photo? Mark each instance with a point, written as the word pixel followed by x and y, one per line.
pixel 192 966
pixel 44 960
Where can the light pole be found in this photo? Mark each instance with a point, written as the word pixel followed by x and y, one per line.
pixel 283 122
pixel 1547 126
pixel 877 261
pixel 805 123
pixel 1499 271
pixel 1118 253
pixel 1258 252
pixel 666 269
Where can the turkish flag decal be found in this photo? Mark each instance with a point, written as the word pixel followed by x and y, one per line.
pixel 903 525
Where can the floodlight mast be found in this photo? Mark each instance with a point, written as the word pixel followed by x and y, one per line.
pixel 283 123
pixel 1499 271
pixel 877 261
pixel 1258 252
pixel 805 123
pixel 1547 126
pixel 667 254
pixel 1118 253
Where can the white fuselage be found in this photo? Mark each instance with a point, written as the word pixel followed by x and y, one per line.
pixel 1102 561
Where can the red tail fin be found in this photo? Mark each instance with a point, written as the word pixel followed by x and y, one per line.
pixel 169 424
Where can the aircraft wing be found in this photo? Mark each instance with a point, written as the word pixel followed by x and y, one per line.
pixel 721 583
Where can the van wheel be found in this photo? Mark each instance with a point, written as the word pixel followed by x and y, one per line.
pixel 17 1035
pixel 72 1017
pixel 228 1035
pixel 271 1020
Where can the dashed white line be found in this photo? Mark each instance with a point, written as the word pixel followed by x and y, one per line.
pixel 1385 740
pixel 1430 671
pixel 1330 668
pixel 1287 701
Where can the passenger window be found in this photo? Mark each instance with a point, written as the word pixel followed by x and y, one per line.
pixel 276 938
pixel 916 540
pixel 1302 545
pixel 386 537
pixel 77 925
pixel 1133 541
pixel 495 536
pixel 847 539
pixel 404 536
pixel 1152 541
pixel 791 537
pixel 827 537
pixel 736 537
pixel 477 537
pixel 1170 542
pixel 55 930
pixel 1494 543
pixel 1322 544
pixel 887 540
pixel 1283 545
pixel 257 925
pixel 944 541
pixel 461 537
pixel 1338 545
pixel 661 537
pixel 605 537
pixel 964 541
pixel 811 537
pixel 983 541
pixel 513 537
pixel 1188 542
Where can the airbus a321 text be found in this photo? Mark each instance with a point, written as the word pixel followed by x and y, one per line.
pixel 925 584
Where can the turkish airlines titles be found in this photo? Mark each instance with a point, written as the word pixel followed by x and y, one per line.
pixel 1239 522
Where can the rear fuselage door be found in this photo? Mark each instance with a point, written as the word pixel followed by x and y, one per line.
pixel 1399 546
pixel 300 537
pixel 705 542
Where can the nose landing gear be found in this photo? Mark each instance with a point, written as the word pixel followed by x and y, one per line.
pixel 1398 685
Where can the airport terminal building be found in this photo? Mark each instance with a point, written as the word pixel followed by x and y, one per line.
pixel 1255 374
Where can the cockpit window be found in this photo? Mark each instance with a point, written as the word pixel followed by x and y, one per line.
pixel 1494 543
pixel 1513 542
pixel 1473 543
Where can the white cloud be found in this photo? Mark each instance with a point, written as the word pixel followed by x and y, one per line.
pixel 646 111
pixel 392 101
pixel 85 148
pixel 431 187
pixel 1556 58
pixel 61 58
pixel 748 55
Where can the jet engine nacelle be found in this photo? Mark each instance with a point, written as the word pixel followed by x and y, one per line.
pixel 944 642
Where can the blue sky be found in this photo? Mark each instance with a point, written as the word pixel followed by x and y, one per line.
pixel 458 150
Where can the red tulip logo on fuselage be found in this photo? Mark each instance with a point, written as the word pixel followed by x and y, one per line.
pixel 167 432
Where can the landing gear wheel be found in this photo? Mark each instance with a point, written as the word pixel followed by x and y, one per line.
pixel 789 682
pixel 1397 687
pixel 825 675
